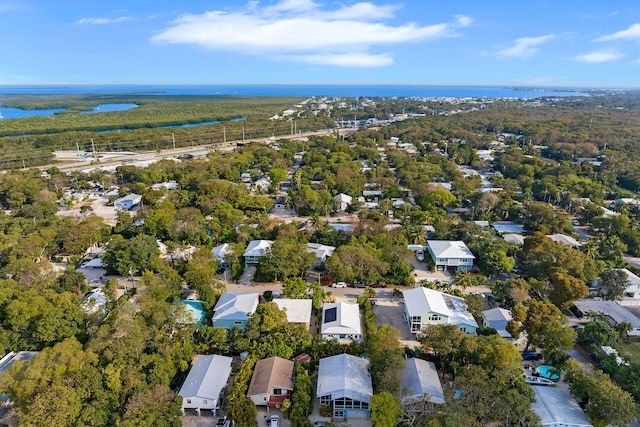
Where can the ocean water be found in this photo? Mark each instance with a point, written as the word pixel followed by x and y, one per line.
pixel 297 90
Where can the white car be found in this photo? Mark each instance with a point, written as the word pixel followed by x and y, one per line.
pixel 339 285
pixel 274 421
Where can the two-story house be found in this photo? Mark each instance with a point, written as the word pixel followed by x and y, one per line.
pixel 449 255
pixel 423 306
pixel 272 381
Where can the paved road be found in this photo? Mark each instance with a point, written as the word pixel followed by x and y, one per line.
pixel 150 156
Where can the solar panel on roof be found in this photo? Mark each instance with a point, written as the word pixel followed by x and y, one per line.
pixel 331 315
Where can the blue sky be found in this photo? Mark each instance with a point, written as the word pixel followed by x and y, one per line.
pixel 575 43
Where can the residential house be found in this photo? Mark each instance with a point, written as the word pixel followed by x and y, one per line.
pixel 497 318
pixel 222 253
pixel 256 250
pixel 516 239
pixel 11 358
pixel 631 294
pixel 202 389
pixel 94 302
pixel 272 381
pixel 127 202
pixel 297 310
pixel 507 227
pixel 342 202
pixel 556 407
pixel 451 256
pixel 322 252
pixel 424 306
pixel 565 240
pixel 344 384
pixel 420 379
pixel 614 312
pixel 233 310
pixel 170 185
pixel 341 322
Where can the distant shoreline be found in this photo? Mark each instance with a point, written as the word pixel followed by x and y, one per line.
pixel 303 90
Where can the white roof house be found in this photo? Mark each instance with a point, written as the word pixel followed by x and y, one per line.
pixel 234 309
pixel 345 377
pixel 297 310
pixel 612 309
pixel 419 377
pixel 556 407
pixel 565 240
pixel 341 322
pixel 424 306
pixel 255 250
pixel 322 251
pixel 222 251
pixel 450 254
pixel 127 202
pixel 342 201
pixel 94 301
pixel 506 227
pixel 497 318
pixel 202 389
pixel 631 295
pixel 517 239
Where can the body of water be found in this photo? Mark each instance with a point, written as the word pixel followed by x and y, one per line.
pixel 17 113
pixel 297 90
pixel 107 108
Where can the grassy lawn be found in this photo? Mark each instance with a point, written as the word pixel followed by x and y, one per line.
pixel 631 350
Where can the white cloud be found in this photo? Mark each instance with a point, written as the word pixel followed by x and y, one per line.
pixel 305 31
pixel 525 47
pixel 102 21
pixel 631 33
pixel 600 56
pixel 345 59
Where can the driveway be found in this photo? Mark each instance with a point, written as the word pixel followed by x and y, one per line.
pixel 390 311
pixel 248 274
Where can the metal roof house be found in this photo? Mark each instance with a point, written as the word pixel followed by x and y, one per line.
pixel 556 407
pixel 450 255
pixel 613 310
pixel 11 358
pixel 497 318
pixel 423 306
pixel 344 383
pixel 342 202
pixel 233 310
pixel 341 322
pixel 127 202
pixel 204 384
pixel 272 381
pixel 256 250
pixel 297 310
pixel 419 379
pixel 565 240
pixel 221 252
pixel 631 294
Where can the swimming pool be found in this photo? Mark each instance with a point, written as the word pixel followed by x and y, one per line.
pixel 548 372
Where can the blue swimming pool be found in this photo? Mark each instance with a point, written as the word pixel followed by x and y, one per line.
pixel 548 372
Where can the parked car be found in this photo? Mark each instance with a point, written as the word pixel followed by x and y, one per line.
pixel 274 421
pixel 223 422
pixel 379 285
pixel 530 355
pixel 339 285
pixel 359 285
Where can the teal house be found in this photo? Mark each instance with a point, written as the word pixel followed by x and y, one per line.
pixel 233 310
pixel 190 312
pixel 423 306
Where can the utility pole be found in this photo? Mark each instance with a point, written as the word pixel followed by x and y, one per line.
pixel 173 138
pixel 77 148
pixel 93 147
pixel 242 133
pixel 224 135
